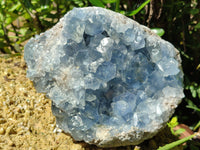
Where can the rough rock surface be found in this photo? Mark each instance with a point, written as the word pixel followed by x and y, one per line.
pixel 112 81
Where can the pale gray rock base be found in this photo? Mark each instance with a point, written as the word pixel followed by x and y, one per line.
pixel 112 82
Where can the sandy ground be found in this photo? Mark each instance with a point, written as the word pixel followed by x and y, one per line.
pixel 26 120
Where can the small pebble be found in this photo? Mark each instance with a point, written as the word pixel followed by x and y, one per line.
pixel 2 131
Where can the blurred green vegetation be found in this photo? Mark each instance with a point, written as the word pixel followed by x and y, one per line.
pixel 179 21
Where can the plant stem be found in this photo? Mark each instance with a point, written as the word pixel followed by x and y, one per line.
pixel 197 126
pixel 176 143
pixel 15 30
pixel 29 13
pixel 58 10
pixel 7 39
pixel 35 18
pixel 117 5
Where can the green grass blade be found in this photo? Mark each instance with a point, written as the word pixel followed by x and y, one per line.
pixel 97 3
pixel 176 143
pixel 139 8
pixel 109 1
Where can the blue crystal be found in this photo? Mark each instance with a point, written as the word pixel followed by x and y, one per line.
pixel 106 71
pixel 112 82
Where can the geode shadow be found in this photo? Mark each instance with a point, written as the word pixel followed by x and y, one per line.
pixel 112 82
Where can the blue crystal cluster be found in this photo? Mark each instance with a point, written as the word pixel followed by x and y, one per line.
pixel 112 81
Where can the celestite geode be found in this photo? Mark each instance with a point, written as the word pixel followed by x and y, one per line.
pixel 112 82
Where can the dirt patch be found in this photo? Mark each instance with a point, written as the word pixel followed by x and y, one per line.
pixel 26 120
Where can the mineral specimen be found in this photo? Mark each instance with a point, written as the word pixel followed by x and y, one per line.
pixel 112 82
